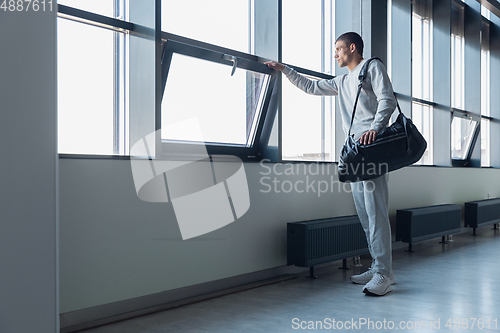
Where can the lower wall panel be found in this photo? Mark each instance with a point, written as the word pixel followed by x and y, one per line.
pixel 115 247
pixel 107 313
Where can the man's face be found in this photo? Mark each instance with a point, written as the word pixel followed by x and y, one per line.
pixel 342 53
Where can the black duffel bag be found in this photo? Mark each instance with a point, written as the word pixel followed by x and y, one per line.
pixel 396 146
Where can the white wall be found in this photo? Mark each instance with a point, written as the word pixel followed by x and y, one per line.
pixel 115 247
pixel 28 172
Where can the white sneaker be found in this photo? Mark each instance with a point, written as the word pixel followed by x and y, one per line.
pixel 379 285
pixel 365 277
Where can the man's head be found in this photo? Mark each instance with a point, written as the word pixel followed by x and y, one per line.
pixel 349 49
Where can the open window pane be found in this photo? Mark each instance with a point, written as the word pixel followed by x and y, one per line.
pixel 226 107
pixel 462 132
pixel 86 91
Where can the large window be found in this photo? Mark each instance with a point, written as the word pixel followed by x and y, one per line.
pixel 308 121
pixel 422 73
pixel 212 72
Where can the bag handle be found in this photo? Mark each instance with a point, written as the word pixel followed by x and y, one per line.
pixel 361 78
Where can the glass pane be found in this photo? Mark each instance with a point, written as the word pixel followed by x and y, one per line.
pixel 302 42
pixel 226 107
pixel 457 57
pixel 221 22
pixel 102 7
pixel 417 56
pixel 462 130
pixel 302 123
pixel 485 83
pixel 485 12
pixel 485 143
pixel 85 88
pixel 421 52
pixel 422 118
pixel 457 73
pixel 485 70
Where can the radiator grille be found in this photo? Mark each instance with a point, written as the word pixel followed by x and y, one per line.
pixel 318 241
pixel 436 222
pixel 334 240
pixel 482 212
pixel 421 223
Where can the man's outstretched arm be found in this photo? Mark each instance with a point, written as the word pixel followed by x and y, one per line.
pixel 313 87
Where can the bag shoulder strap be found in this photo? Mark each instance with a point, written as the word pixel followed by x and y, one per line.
pixel 361 78
pixel 364 70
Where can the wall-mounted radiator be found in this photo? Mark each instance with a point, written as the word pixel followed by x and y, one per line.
pixel 481 213
pixel 417 224
pixel 318 241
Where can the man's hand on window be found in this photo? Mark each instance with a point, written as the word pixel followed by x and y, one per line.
pixel 275 65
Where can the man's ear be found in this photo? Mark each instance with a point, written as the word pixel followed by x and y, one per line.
pixel 352 48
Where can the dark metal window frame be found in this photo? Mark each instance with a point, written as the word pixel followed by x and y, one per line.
pixel 94 19
pixel 265 117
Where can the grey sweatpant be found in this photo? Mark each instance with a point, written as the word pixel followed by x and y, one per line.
pixel 371 198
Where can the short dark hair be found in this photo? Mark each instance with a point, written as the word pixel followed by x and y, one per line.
pixel 352 38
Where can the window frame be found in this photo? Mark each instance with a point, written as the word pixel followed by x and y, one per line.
pixel 173 44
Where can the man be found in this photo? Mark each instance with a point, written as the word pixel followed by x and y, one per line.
pixel 375 106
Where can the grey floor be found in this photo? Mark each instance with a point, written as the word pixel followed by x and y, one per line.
pixel 436 282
